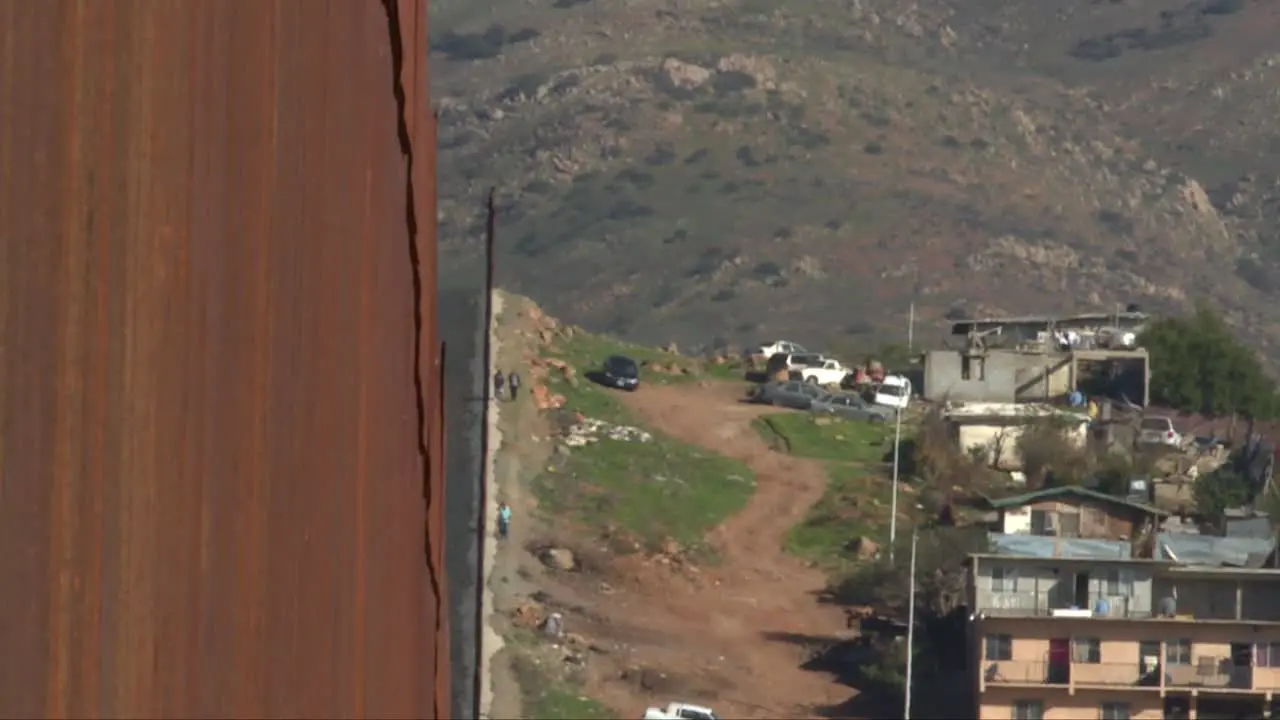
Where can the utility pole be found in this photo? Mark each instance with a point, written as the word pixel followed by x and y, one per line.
pixel 911 328
pixel 911 629
pixel 893 505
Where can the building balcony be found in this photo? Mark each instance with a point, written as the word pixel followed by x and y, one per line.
pixel 1011 605
pixel 1025 672
pixel 1111 674
pixel 1210 672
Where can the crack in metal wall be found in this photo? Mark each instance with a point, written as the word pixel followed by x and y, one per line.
pixel 221 419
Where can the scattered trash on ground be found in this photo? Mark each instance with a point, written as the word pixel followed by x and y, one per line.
pixel 590 430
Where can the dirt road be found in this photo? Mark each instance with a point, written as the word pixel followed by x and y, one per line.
pixel 730 635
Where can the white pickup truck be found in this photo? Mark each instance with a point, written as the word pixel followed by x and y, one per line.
pixel 680 711
pixel 828 372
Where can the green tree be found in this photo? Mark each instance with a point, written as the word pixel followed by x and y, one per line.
pixel 1221 489
pixel 1199 366
pixel 940 574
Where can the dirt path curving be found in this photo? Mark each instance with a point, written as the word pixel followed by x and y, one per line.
pixel 740 623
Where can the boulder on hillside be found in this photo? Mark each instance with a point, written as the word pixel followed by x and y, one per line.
pixel 558 559
pixel 863 547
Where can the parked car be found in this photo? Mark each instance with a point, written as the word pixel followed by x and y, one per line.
pixel 792 362
pixel 1158 431
pixel 621 372
pixel 894 391
pixel 787 393
pixel 775 347
pixel 850 407
pixel 680 711
pixel 830 372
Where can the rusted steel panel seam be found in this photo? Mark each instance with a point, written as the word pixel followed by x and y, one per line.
pixel 408 30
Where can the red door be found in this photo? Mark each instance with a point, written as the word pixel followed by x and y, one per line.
pixel 1059 651
pixel 1059 669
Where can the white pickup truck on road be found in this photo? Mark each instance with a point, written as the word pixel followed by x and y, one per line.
pixel 828 372
pixel 680 711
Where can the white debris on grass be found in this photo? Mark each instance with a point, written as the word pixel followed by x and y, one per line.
pixel 591 430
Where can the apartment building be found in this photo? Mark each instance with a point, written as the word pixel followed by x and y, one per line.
pixel 1076 638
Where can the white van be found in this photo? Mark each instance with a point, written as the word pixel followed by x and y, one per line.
pixel 894 391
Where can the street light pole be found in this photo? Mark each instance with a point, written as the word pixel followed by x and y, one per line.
pixel 911 329
pixel 893 505
pixel 911 628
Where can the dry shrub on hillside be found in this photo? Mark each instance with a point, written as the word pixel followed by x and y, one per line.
pixel 933 456
pixel 1050 457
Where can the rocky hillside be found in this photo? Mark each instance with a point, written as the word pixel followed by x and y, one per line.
pixel 720 169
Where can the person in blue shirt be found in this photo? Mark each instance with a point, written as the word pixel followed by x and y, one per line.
pixel 1076 398
pixel 504 520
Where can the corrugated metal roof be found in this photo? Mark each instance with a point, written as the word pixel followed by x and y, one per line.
pixel 1254 527
pixel 1080 492
pixel 1213 551
pixel 1048 547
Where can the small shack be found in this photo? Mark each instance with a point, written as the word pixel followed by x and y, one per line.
pixel 1074 512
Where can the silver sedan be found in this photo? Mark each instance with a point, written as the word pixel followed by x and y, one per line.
pixel 850 407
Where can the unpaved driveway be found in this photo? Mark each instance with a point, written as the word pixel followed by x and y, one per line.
pixel 723 628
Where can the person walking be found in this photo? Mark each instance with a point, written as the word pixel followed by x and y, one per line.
pixel 513 382
pixel 504 520
pixel 497 384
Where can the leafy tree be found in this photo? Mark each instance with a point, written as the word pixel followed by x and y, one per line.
pixel 1199 366
pixel 1221 489
pixel 941 553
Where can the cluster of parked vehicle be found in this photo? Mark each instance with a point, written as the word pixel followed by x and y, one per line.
pixel 809 373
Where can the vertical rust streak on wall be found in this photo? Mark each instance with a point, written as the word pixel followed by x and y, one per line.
pixel 221 427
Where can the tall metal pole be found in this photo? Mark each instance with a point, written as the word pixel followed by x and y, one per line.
pixel 911 629
pixel 893 505
pixel 911 329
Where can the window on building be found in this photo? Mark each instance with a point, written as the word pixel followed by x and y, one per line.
pixel 1177 652
pixel 1086 650
pixel 1117 583
pixel 1028 710
pixel 1069 524
pixel 1267 655
pixel 1004 580
pixel 1115 711
pixel 999 647
pixel 1042 523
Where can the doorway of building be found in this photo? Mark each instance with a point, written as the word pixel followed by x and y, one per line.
pixel 1082 590
pixel 1177 707
pixel 1149 663
pixel 1058 671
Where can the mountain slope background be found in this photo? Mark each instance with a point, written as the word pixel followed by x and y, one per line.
pixel 713 171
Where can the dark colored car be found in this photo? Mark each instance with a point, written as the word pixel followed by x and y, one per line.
pixel 787 393
pixel 621 372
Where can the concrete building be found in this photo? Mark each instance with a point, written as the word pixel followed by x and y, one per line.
pixel 1075 512
pixel 1100 637
pixel 992 430
pixel 1003 375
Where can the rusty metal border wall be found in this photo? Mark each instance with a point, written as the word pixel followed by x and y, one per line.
pixel 220 421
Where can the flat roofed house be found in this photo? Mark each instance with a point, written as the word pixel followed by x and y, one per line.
pixel 992 430
pixel 1069 638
